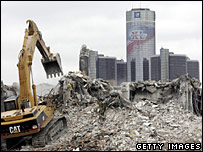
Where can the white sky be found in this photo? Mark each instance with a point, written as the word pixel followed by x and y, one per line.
pixel 66 25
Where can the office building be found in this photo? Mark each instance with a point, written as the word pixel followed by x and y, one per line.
pixel 177 65
pixel 155 68
pixel 107 69
pixel 193 68
pixel 145 69
pixel 133 70
pixel 97 65
pixel 84 60
pixel 164 58
pixel 140 37
pixel 168 66
pixel 87 61
pixel 121 72
pixel 93 55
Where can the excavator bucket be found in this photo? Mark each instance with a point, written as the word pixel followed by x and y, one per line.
pixel 53 67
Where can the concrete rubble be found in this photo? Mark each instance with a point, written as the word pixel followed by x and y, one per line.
pixel 101 117
pixel 78 89
pixel 8 91
pixel 185 89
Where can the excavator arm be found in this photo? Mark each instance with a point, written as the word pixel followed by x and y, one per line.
pixel 51 63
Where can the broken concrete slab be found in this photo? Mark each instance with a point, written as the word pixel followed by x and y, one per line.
pixel 185 88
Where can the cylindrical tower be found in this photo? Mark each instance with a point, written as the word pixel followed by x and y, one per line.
pixel 140 37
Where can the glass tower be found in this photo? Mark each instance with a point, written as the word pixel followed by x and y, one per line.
pixel 140 37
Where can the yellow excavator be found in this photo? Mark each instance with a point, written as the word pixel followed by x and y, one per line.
pixel 24 117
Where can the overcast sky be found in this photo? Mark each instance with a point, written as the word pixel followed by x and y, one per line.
pixel 67 25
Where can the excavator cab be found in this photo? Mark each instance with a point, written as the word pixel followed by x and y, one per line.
pixel 10 103
pixel 53 67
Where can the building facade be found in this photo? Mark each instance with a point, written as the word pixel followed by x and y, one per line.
pixel 155 68
pixel 84 60
pixel 121 72
pixel 193 68
pixel 177 65
pixel 168 66
pixel 145 69
pixel 107 69
pixel 133 70
pixel 140 37
pixel 164 58
pixel 93 55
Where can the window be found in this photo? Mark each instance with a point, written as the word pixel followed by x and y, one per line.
pixel 10 105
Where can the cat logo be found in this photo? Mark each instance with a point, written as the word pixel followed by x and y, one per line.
pixel 15 129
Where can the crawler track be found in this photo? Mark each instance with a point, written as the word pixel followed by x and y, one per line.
pixel 3 145
pixel 52 131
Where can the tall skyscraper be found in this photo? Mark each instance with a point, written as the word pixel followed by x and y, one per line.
pixel 140 37
pixel 93 55
pixel 145 69
pixel 87 61
pixel 164 56
pixel 155 68
pixel 84 60
pixel 132 67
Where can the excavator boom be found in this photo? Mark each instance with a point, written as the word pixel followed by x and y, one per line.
pixel 51 62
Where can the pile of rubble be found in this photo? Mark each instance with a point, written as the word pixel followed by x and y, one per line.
pixel 100 118
pixel 148 122
pixel 78 89
pixel 185 89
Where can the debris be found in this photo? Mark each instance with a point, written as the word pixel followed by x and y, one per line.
pixel 78 89
pixel 101 118
pixel 185 88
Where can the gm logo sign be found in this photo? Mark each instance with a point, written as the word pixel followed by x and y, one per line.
pixel 136 14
